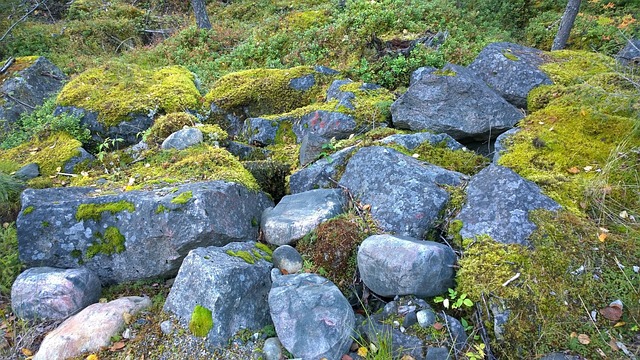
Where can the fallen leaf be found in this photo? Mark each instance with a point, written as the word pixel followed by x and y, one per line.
pixel 92 357
pixel 613 313
pixel 620 323
pixel 584 339
pixel 588 168
pixel 26 352
pixel 601 353
pixel 117 346
pixel 573 170
pixel 127 318
pixel 624 214
pixel 602 237
pixel 613 345
pixel 438 326
pixel 366 207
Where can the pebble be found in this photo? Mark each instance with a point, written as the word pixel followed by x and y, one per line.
pixel 272 349
pixel 426 318
pixel 166 327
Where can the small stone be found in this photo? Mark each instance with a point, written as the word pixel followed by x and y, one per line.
pixel 28 172
pixel 426 318
pixel 166 327
pixel 272 349
pixel 438 353
pixel 409 319
pixel 287 259
pixel 126 333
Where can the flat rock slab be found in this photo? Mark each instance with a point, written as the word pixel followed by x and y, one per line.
pixel 396 265
pixel 321 174
pixel 297 215
pixel 453 101
pixel 312 318
pixel 45 293
pixel 404 193
pixel 412 141
pixel 222 281
pixel 511 70
pixel 90 329
pixel 137 234
pixel 498 204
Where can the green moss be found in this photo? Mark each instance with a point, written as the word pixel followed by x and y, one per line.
pixel 569 67
pixel 161 209
pixel 264 248
pixel 509 55
pixel 166 125
pixel 183 198
pixel 264 91
pixel 464 161
pixel 112 242
pixel 28 210
pixel 117 90
pixel 242 254
pixel 46 224
pixel 302 20
pixel 49 151
pixel 372 107
pixel 445 72
pixel 201 321
pixel 76 254
pixel 213 134
pixel 19 64
pixel 95 211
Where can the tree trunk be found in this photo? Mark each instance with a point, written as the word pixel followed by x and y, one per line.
pixel 569 16
pixel 202 19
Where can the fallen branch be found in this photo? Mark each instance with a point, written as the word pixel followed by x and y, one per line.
pixel 517 275
pixel 19 21
pixel 20 102
pixel 67 174
pixel 7 64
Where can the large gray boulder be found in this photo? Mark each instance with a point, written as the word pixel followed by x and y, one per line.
pixel 404 193
pixel 297 215
pixel 44 293
pixel 137 234
pixel 231 282
pixel 511 70
pixel 260 131
pixel 630 54
pixel 321 174
pixel 312 318
pixel 325 124
pixel 498 204
pixel 397 265
pixel 454 101
pixel 27 86
pixel 412 141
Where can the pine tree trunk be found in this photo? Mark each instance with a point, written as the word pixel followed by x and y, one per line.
pixel 202 19
pixel 569 16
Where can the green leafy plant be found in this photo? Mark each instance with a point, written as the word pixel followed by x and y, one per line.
pixel 107 145
pixel 454 300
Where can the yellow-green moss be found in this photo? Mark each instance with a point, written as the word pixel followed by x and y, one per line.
pixel 265 91
pixel 464 161
pixel 445 72
pixel 49 151
pixel 117 90
pixel 302 20
pixel 265 248
pixel 201 321
pixel 213 134
pixel 509 55
pixel 242 254
pixel 261 252
pixel 28 210
pixel 19 64
pixel 196 163
pixel 183 198
pixel 112 242
pixel 161 209
pixel 94 211
pixel 166 125
pixel 569 67
pixel 372 107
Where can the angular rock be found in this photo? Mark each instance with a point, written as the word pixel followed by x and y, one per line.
pixel 312 318
pixel 45 293
pixel 630 54
pixel 412 141
pixel 394 265
pixel 325 124
pixel 28 85
pixel 297 215
pixel 454 101
pixel 247 152
pixel 183 139
pixel 222 281
pixel 287 259
pixel 502 141
pixel 401 344
pixel 321 174
pixel 90 329
pixel 457 335
pixel 404 193
pixel 303 83
pixel 260 131
pixel 511 70
pixel 136 234
pixel 127 131
pixel 344 97
pixel 83 156
pixel 28 172
pixel 498 204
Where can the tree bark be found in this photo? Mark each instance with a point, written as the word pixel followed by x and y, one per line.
pixel 569 16
pixel 202 19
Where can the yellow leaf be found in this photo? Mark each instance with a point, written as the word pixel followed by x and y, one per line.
pixel 602 237
pixel 574 170
pixel 26 352
pixel 362 351
pixel 584 339
pixel 92 357
pixel 620 323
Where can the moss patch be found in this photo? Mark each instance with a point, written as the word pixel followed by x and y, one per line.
pixel 183 198
pixel 201 321
pixel 569 67
pixel 261 252
pixel 95 211
pixel 117 90
pixel 264 91
pixel 49 151
pixel 112 242
pixel 166 125
pixel 213 134
pixel 161 209
pixel 28 210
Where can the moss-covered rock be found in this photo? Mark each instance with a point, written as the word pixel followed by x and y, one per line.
pixel 201 321
pixel 116 90
pixel 166 125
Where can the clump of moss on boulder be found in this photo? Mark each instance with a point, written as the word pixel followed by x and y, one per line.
pixel 201 321
pixel 94 211
pixel 117 90
pixel 112 242
pixel 166 125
